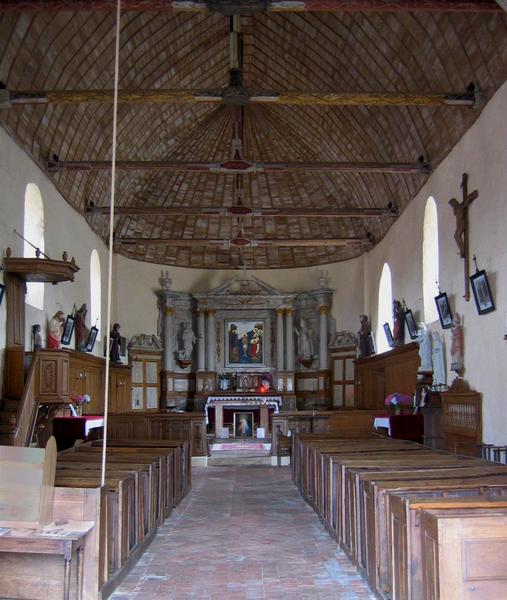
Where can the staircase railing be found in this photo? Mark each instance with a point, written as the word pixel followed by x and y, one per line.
pixel 21 434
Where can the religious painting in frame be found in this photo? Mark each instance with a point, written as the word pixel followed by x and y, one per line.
pixel 444 310
pixel 244 343
pixel 2 291
pixel 371 343
pixel 389 335
pixel 243 425
pixel 68 330
pixel 482 292
pixel 411 324
pixel 91 338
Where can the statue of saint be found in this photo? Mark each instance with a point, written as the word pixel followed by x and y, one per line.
pixel 399 323
pixel 424 339
pixel 364 347
pixel 438 358
pixel 305 343
pixel 457 363
pixel 114 354
pixel 55 330
pixel 188 340
pixel 81 329
pixel 37 339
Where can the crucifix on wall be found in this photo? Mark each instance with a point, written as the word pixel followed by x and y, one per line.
pixel 461 234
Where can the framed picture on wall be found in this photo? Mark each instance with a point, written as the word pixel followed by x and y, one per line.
pixel 2 292
pixel 91 339
pixel 411 324
pixel 444 310
pixel 371 343
pixel 389 335
pixel 482 292
pixel 68 330
pixel 244 343
pixel 243 424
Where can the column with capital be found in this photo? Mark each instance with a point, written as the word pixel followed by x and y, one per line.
pixel 323 336
pixel 168 339
pixel 201 341
pixel 289 340
pixel 211 341
pixel 279 339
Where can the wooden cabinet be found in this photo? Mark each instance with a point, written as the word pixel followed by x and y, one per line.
pixel 382 374
pixel 120 392
pixel 86 376
pixel 146 367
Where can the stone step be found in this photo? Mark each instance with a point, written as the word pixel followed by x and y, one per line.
pixel 243 461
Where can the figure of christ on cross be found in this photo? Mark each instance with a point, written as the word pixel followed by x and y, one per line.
pixel 461 234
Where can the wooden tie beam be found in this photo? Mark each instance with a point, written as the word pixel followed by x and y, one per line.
pixel 241 242
pixel 244 211
pixel 254 6
pixel 241 166
pixel 289 98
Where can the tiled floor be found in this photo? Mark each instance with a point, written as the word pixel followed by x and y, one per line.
pixel 243 533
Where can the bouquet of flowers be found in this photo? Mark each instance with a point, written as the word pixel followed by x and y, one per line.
pixel 397 400
pixel 78 401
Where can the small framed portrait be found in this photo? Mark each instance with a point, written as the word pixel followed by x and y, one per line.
pixel 2 292
pixel 243 424
pixel 68 330
pixel 444 310
pixel 482 292
pixel 91 339
pixel 411 324
pixel 123 346
pixel 371 343
pixel 389 335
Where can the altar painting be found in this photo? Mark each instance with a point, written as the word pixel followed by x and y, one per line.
pixel 245 343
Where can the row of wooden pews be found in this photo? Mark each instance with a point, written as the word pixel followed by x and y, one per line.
pixel 144 481
pixel 420 524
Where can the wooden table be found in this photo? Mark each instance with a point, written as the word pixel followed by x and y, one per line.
pixel 404 427
pixel 65 543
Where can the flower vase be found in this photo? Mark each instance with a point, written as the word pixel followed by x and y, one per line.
pixel 397 410
pixel 79 411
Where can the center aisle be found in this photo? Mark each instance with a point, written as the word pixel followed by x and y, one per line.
pixel 243 533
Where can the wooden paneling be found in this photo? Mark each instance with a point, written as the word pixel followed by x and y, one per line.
pixel 189 427
pixel 462 420
pixel 382 374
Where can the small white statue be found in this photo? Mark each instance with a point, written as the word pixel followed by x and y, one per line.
pixel 424 339
pixel 457 363
pixel 188 340
pixel 305 343
pixel 438 357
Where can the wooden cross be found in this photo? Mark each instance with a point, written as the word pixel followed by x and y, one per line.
pixel 461 234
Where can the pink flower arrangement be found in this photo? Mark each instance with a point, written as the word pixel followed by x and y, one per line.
pixel 79 400
pixel 397 399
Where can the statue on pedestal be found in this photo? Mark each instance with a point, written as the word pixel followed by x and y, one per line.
pixel 188 340
pixel 457 363
pixel 81 329
pixel 438 358
pixel 364 346
pixel 305 342
pixel 55 330
pixel 424 339
pixel 399 323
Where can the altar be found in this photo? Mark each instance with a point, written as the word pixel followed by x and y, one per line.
pixel 242 402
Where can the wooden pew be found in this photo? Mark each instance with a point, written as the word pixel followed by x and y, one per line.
pixel 377 515
pixel 480 541
pixel 405 519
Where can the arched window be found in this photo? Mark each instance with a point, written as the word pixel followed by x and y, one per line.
pixel 95 291
pixel 33 231
pixel 430 260
pixel 385 308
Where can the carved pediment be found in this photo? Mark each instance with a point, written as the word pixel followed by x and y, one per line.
pixel 244 286
pixel 145 342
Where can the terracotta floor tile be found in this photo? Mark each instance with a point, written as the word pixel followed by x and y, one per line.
pixel 243 533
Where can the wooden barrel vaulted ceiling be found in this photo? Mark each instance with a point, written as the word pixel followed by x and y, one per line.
pixel 256 134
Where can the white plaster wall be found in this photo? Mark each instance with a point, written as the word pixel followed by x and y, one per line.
pixel 65 229
pixel 482 153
